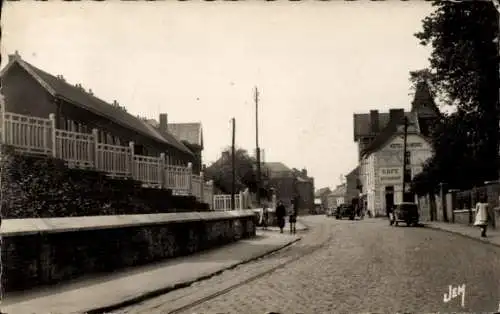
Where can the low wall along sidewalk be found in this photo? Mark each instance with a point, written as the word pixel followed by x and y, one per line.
pixel 42 251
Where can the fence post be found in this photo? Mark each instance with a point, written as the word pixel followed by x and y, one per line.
pixel 131 161
pixel 241 201
pixel 202 187
pixel 95 136
pixel 190 178
pixel 52 118
pixel 161 171
pixel 211 197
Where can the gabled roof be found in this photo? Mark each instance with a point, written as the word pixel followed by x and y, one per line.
pixel 340 190
pixel 354 172
pixel 384 135
pixel 423 106
pixel 394 127
pixel 423 102
pixel 322 191
pixel 189 132
pixel 59 88
pixel 277 168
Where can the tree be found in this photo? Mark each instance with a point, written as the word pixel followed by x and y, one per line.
pixel 246 174
pixel 464 72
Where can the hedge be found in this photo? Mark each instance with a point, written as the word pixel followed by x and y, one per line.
pixel 43 187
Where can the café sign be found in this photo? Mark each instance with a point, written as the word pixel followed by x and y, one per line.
pixel 390 176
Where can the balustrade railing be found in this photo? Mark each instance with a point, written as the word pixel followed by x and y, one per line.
pixel 33 135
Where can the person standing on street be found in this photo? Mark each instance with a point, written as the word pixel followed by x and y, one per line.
pixel 265 216
pixel 280 215
pixel 482 217
pixel 293 219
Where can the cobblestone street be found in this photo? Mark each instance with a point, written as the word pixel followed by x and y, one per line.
pixel 364 266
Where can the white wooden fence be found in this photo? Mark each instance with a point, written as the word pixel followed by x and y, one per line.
pixel 222 202
pixel 35 135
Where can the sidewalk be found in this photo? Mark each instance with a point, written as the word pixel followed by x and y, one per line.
pixel 467 231
pixel 298 226
pixel 108 292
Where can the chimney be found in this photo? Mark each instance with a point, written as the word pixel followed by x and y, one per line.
pixel 90 92
pixel 115 103
pixel 13 56
pixel 396 114
pixel 374 121
pixel 304 172
pixel 163 121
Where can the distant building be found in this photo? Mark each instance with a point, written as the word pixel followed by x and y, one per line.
pixel 337 196
pixel 305 192
pixel 191 135
pixel 322 194
pixel 352 185
pixel 380 141
pixel 281 179
pixel 290 183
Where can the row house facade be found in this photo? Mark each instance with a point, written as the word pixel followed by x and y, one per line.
pixel 31 91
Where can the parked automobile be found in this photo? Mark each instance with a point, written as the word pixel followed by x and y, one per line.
pixel 345 210
pixel 405 212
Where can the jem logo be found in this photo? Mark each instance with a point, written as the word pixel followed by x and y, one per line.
pixel 454 292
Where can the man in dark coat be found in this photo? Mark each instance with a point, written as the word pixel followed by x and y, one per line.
pixel 280 215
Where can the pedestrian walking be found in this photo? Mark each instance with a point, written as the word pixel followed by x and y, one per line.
pixel 265 216
pixel 292 217
pixel 482 217
pixel 390 213
pixel 280 215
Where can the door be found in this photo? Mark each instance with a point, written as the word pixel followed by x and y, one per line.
pixel 389 198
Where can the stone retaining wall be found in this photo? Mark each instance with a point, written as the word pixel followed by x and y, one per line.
pixel 52 250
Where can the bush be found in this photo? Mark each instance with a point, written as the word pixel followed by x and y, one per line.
pixel 43 187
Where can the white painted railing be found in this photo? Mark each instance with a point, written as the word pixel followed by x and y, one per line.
pixel 26 133
pixel 223 201
pixel 148 169
pixel 76 148
pixel 177 178
pixel 196 186
pixel 34 135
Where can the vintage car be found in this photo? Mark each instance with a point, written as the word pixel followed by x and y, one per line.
pixel 345 210
pixel 405 212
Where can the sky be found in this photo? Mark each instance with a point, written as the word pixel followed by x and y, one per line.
pixel 315 63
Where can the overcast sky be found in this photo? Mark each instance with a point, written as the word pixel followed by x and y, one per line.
pixel 315 63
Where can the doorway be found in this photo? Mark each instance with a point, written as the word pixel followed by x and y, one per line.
pixel 389 198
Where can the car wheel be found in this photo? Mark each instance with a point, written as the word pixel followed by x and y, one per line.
pixel 396 223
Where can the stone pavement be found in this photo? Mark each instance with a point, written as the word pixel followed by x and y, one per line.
pixel 493 236
pixel 366 267
pixel 126 287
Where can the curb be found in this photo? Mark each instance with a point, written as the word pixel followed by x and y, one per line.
pixel 161 291
pixel 478 239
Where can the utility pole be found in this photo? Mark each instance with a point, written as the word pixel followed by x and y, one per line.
pixel 404 157
pixel 233 166
pixel 257 152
